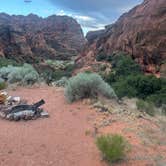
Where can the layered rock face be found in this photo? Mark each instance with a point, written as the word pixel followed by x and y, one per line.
pixel 141 33
pixel 30 38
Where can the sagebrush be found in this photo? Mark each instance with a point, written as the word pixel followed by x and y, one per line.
pixel 24 75
pixel 86 85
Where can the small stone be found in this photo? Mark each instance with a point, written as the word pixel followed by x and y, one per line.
pixel 106 114
pixel 106 123
pixel 16 118
pixel 10 152
pixel 4 93
pixel 44 114
pixel 10 117
pixel 16 99
pixel 2 115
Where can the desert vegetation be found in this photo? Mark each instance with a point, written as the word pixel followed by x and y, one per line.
pixel 68 98
pixel 86 85
pixel 56 70
pixel 113 147
pixel 24 75
pixel 27 74
pixel 147 107
pixel 3 84
pixel 5 62
pixel 127 79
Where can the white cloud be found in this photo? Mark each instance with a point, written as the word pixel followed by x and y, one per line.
pixel 83 18
pixel 61 13
pixel 88 23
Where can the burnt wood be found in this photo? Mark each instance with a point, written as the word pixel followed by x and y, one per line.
pixel 24 107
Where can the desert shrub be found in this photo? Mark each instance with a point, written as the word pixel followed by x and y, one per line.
pixel 5 71
pixel 2 80
pixel 158 98
pixel 50 76
pixel 149 108
pixel 122 89
pixel 25 74
pixel 87 85
pixel 145 85
pixel 140 86
pixel 31 78
pixel 122 67
pixel 60 83
pixel 58 69
pixel 113 147
pixel 3 84
pixel 127 79
pixel 163 108
pixel 61 65
pixel 5 62
pixel 101 57
pixel 88 72
pixel 125 65
pixel 104 57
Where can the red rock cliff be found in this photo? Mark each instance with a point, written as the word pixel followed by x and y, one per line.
pixel 141 32
pixel 29 38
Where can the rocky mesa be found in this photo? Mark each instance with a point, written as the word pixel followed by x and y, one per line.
pixel 32 38
pixel 141 33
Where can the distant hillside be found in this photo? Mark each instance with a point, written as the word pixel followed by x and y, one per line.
pixel 141 33
pixel 30 38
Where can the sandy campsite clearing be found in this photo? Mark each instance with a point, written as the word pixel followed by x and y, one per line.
pixel 67 137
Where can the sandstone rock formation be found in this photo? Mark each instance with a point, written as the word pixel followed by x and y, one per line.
pixel 31 38
pixel 141 32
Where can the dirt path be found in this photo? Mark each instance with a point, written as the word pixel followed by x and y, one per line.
pixel 60 140
pixel 66 138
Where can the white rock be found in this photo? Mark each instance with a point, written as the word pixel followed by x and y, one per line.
pixel 16 99
pixel 4 93
pixel 2 115
pixel 44 114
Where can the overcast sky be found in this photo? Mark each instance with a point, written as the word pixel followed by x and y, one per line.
pixel 91 14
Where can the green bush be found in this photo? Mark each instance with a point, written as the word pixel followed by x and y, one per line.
pixel 149 108
pixel 60 83
pixel 127 80
pixel 122 89
pixel 5 62
pixel 25 74
pixel 101 57
pixel 163 107
pixel 145 85
pixel 2 85
pixel 113 147
pixel 57 70
pixel 140 86
pixel 158 99
pixel 87 85
pixel 124 65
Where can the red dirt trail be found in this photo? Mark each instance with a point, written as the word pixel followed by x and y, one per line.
pixel 66 138
pixel 56 141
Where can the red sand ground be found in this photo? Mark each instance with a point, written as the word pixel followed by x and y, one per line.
pixel 62 139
